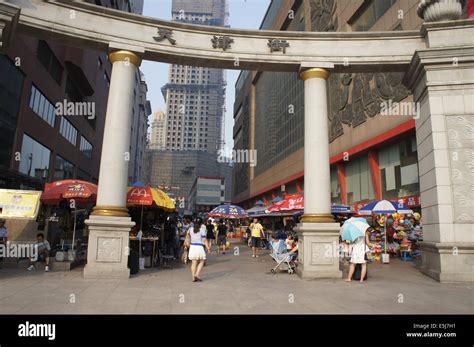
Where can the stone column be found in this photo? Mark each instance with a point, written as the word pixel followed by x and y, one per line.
pixel 318 234
pixel 441 78
pixel 110 224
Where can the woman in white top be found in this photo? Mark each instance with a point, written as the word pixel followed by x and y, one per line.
pixel 357 251
pixel 197 236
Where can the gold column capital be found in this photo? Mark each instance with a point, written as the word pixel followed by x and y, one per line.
pixel 110 211
pixel 317 218
pixel 123 55
pixel 314 73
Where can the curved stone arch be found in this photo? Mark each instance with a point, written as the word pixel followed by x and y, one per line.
pixel 78 23
pixel 439 65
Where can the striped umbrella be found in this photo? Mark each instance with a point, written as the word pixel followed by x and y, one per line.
pixel 385 207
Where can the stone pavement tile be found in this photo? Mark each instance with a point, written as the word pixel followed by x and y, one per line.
pixel 9 308
pixel 41 308
pixel 233 285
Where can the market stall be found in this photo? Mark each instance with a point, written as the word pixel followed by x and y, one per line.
pixel 150 209
pixel 396 230
pixel 69 203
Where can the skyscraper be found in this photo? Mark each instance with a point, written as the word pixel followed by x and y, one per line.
pixel 195 96
pixel 158 131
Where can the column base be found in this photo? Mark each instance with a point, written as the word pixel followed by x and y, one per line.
pixel 448 262
pixel 318 251
pixel 107 253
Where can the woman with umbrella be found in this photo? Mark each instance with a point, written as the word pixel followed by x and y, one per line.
pixel 355 231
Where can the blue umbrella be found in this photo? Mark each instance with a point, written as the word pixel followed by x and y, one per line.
pixel 385 207
pixel 341 209
pixel 228 211
pixel 354 228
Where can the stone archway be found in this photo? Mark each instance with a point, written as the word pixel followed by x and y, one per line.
pixel 439 65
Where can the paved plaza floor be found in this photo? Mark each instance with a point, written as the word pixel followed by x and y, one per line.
pixel 232 284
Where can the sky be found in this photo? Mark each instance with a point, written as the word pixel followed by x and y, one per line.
pixel 243 14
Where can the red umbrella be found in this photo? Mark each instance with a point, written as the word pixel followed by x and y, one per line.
pixel 290 203
pixel 81 191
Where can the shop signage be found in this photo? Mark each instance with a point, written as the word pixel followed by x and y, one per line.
pixel 19 203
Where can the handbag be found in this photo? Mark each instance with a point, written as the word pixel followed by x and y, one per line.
pixel 184 256
pixel 368 252
pixel 187 241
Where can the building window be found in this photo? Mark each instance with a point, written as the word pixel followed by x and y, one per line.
pixel 335 188
pixel 359 180
pixel 11 86
pixel 398 166
pixel 371 14
pixel 82 175
pixel 34 158
pixel 64 169
pixel 86 147
pixel 48 59
pixel 42 106
pixel 68 131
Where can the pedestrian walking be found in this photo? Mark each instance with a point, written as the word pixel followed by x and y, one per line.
pixel 197 241
pixel 357 252
pixel 256 230
pixel 209 235
pixel 221 236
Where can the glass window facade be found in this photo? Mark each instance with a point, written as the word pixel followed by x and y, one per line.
pixel 42 106
pixel 68 131
pixel 279 118
pixel 11 85
pixel 335 188
pixel 398 165
pixel 49 61
pixel 371 14
pixel 64 169
pixel 82 175
pixel 86 147
pixel 34 157
pixel 359 180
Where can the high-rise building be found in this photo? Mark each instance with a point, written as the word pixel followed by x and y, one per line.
pixel 195 96
pixel 138 132
pixel 176 172
pixel 37 145
pixel 158 131
pixel 372 156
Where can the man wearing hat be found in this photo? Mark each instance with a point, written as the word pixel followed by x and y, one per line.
pixel 3 235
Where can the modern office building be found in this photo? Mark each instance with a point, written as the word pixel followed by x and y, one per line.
pixel 158 131
pixel 138 140
pixel 206 193
pixel 372 155
pixel 176 171
pixel 195 96
pixel 36 144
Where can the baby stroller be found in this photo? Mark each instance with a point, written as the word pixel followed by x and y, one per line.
pixel 283 258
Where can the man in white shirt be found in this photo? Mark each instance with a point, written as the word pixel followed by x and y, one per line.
pixel 42 248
